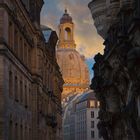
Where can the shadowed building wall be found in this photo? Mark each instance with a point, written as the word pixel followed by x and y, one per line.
pixel 117 72
pixel 30 80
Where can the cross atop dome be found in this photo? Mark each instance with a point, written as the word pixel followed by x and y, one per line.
pixel 66 10
pixel 66 18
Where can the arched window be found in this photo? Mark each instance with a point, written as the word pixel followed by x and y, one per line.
pixel 10 37
pixel 71 56
pixel 67 34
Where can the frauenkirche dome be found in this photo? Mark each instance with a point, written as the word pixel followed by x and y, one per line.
pixel 72 65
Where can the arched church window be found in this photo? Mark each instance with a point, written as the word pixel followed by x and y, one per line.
pixel 71 56
pixel 67 33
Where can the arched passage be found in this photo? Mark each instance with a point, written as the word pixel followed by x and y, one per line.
pixel 67 33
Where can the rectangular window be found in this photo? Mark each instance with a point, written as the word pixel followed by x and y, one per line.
pixel 10 130
pixel 92 104
pixel 16 131
pixel 138 105
pixel 29 100
pixel 10 84
pixel 21 48
pixel 21 91
pixel 92 124
pixel 98 104
pixel 10 36
pixel 92 114
pixel 25 53
pixel 21 132
pixel 30 136
pixel 29 57
pixel 16 41
pixel 26 100
pixel 92 134
pixel 16 89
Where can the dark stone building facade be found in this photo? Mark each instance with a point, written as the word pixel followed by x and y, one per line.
pixel 30 80
pixel 117 71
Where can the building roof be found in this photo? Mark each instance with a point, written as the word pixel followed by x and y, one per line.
pixel 66 18
pixel 46 32
pixel 77 98
pixel 89 95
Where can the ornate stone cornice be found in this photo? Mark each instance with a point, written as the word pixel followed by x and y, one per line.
pixel 104 14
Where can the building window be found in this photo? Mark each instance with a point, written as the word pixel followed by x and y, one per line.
pixel 26 97
pixel 16 89
pixel 10 130
pixel 92 114
pixel 21 132
pixel 92 124
pixel 92 134
pixel 30 135
pixel 29 100
pixel 139 106
pixel 98 104
pixel 21 48
pixel 16 131
pixel 10 37
pixel 25 53
pixel 67 34
pixel 92 103
pixel 26 132
pixel 21 91
pixel 16 41
pixel 10 84
pixel 29 57
pixel 99 134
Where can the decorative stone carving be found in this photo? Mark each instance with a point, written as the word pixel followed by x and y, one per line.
pixel 98 10
pixel 104 14
pixel 112 10
pixel 116 79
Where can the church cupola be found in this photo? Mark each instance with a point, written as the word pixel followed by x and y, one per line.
pixel 66 32
pixel 66 18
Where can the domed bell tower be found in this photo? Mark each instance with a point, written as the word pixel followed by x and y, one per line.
pixel 66 32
